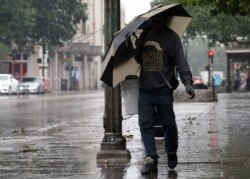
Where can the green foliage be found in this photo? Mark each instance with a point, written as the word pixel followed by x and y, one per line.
pixel 55 20
pixel 230 7
pixel 218 22
pixel 222 27
pixel 16 20
pixel 3 50
pixel 47 22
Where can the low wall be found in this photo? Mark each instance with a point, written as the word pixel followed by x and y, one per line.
pixel 201 95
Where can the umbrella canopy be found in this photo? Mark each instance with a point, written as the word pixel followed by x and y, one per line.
pixel 118 62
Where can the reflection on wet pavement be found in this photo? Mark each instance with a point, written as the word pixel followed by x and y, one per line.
pixel 59 136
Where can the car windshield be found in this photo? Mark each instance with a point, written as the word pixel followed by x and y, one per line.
pixel 31 79
pixel 4 78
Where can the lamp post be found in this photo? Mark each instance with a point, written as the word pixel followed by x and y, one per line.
pixel 185 45
pixel 43 64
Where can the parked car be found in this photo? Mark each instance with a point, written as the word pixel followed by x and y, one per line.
pixel 31 85
pixel 197 80
pixel 198 83
pixel 8 84
pixel 200 86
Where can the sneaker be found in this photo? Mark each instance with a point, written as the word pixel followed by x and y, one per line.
pixel 172 160
pixel 150 166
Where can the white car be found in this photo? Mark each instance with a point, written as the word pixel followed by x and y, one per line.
pixel 31 85
pixel 8 84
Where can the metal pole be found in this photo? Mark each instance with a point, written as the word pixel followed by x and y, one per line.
pixel 209 72
pixel 186 53
pixel 209 69
pixel 43 64
pixel 185 44
pixel 229 78
pixel 113 145
pixel 213 88
pixel 43 74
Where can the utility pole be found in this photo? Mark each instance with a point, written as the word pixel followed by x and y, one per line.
pixel 113 145
pixel 43 61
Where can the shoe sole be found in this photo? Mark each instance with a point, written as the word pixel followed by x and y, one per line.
pixel 148 173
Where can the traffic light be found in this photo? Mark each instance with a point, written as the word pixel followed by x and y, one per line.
pixel 211 55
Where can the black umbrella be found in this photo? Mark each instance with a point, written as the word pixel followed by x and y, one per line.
pixel 118 61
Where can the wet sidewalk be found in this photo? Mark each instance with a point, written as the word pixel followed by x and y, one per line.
pixel 213 140
pixel 213 143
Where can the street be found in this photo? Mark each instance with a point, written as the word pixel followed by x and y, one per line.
pixel 49 136
pixel 58 136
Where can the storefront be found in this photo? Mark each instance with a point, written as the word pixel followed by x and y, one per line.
pixel 236 58
pixel 77 66
pixel 17 68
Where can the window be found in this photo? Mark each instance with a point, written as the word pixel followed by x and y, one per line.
pixel 25 56
pixel 18 56
pixel 28 79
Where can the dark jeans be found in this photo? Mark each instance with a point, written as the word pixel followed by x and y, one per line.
pixel 161 102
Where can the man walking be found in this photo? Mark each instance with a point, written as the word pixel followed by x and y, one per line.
pixel 159 51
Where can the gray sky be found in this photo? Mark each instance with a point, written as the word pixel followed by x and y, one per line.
pixel 135 7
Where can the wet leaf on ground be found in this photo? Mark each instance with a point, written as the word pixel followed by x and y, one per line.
pixel 190 118
pixel 129 136
pixel 210 132
pixel 29 148
pixel 19 131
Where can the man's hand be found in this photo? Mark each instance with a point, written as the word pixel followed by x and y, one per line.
pixel 190 91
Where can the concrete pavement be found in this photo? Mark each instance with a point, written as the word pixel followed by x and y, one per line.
pixel 213 143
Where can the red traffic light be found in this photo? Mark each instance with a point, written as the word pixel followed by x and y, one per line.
pixel 211 53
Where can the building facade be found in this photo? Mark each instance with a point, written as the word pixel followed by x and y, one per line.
pixel 76 65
